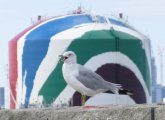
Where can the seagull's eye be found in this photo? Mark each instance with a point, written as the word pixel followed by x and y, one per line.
pixel 70 54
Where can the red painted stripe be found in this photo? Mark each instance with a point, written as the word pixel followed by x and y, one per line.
pixel 12 71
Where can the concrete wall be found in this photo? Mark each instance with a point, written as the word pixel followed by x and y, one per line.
pixel 113 112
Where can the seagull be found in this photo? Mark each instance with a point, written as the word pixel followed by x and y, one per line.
pixel 84 80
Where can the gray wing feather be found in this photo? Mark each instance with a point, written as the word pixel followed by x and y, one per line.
pixel 94 81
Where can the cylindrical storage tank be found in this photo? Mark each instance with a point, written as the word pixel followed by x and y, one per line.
pixel 106 45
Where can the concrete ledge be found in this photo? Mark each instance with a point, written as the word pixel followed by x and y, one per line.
pixel 113 112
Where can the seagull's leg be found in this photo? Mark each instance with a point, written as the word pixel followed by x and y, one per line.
pixel 83 99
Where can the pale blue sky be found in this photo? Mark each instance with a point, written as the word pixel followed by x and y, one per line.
pixel 148 16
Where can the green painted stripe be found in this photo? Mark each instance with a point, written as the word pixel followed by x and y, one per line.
pixel 94 43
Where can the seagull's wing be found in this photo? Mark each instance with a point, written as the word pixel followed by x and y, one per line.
pixel 94 81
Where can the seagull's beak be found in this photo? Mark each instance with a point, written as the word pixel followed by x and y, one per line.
pixel 62 58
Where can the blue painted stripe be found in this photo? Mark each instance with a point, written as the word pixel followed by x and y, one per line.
pixel 37 42
pixel 116 22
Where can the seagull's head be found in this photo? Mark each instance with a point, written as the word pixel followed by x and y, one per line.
pixel 68 57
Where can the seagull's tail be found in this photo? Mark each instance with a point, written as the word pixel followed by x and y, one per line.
pixel 125 92
pixel 117 89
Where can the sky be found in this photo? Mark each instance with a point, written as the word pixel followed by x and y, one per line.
pixel 148 16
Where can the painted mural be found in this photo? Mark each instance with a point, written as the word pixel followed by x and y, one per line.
pixel 106 45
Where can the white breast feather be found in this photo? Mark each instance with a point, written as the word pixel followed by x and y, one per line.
pixel 69 73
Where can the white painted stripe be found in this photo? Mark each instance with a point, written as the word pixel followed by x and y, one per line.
pixel 128 31
pixel 20 85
